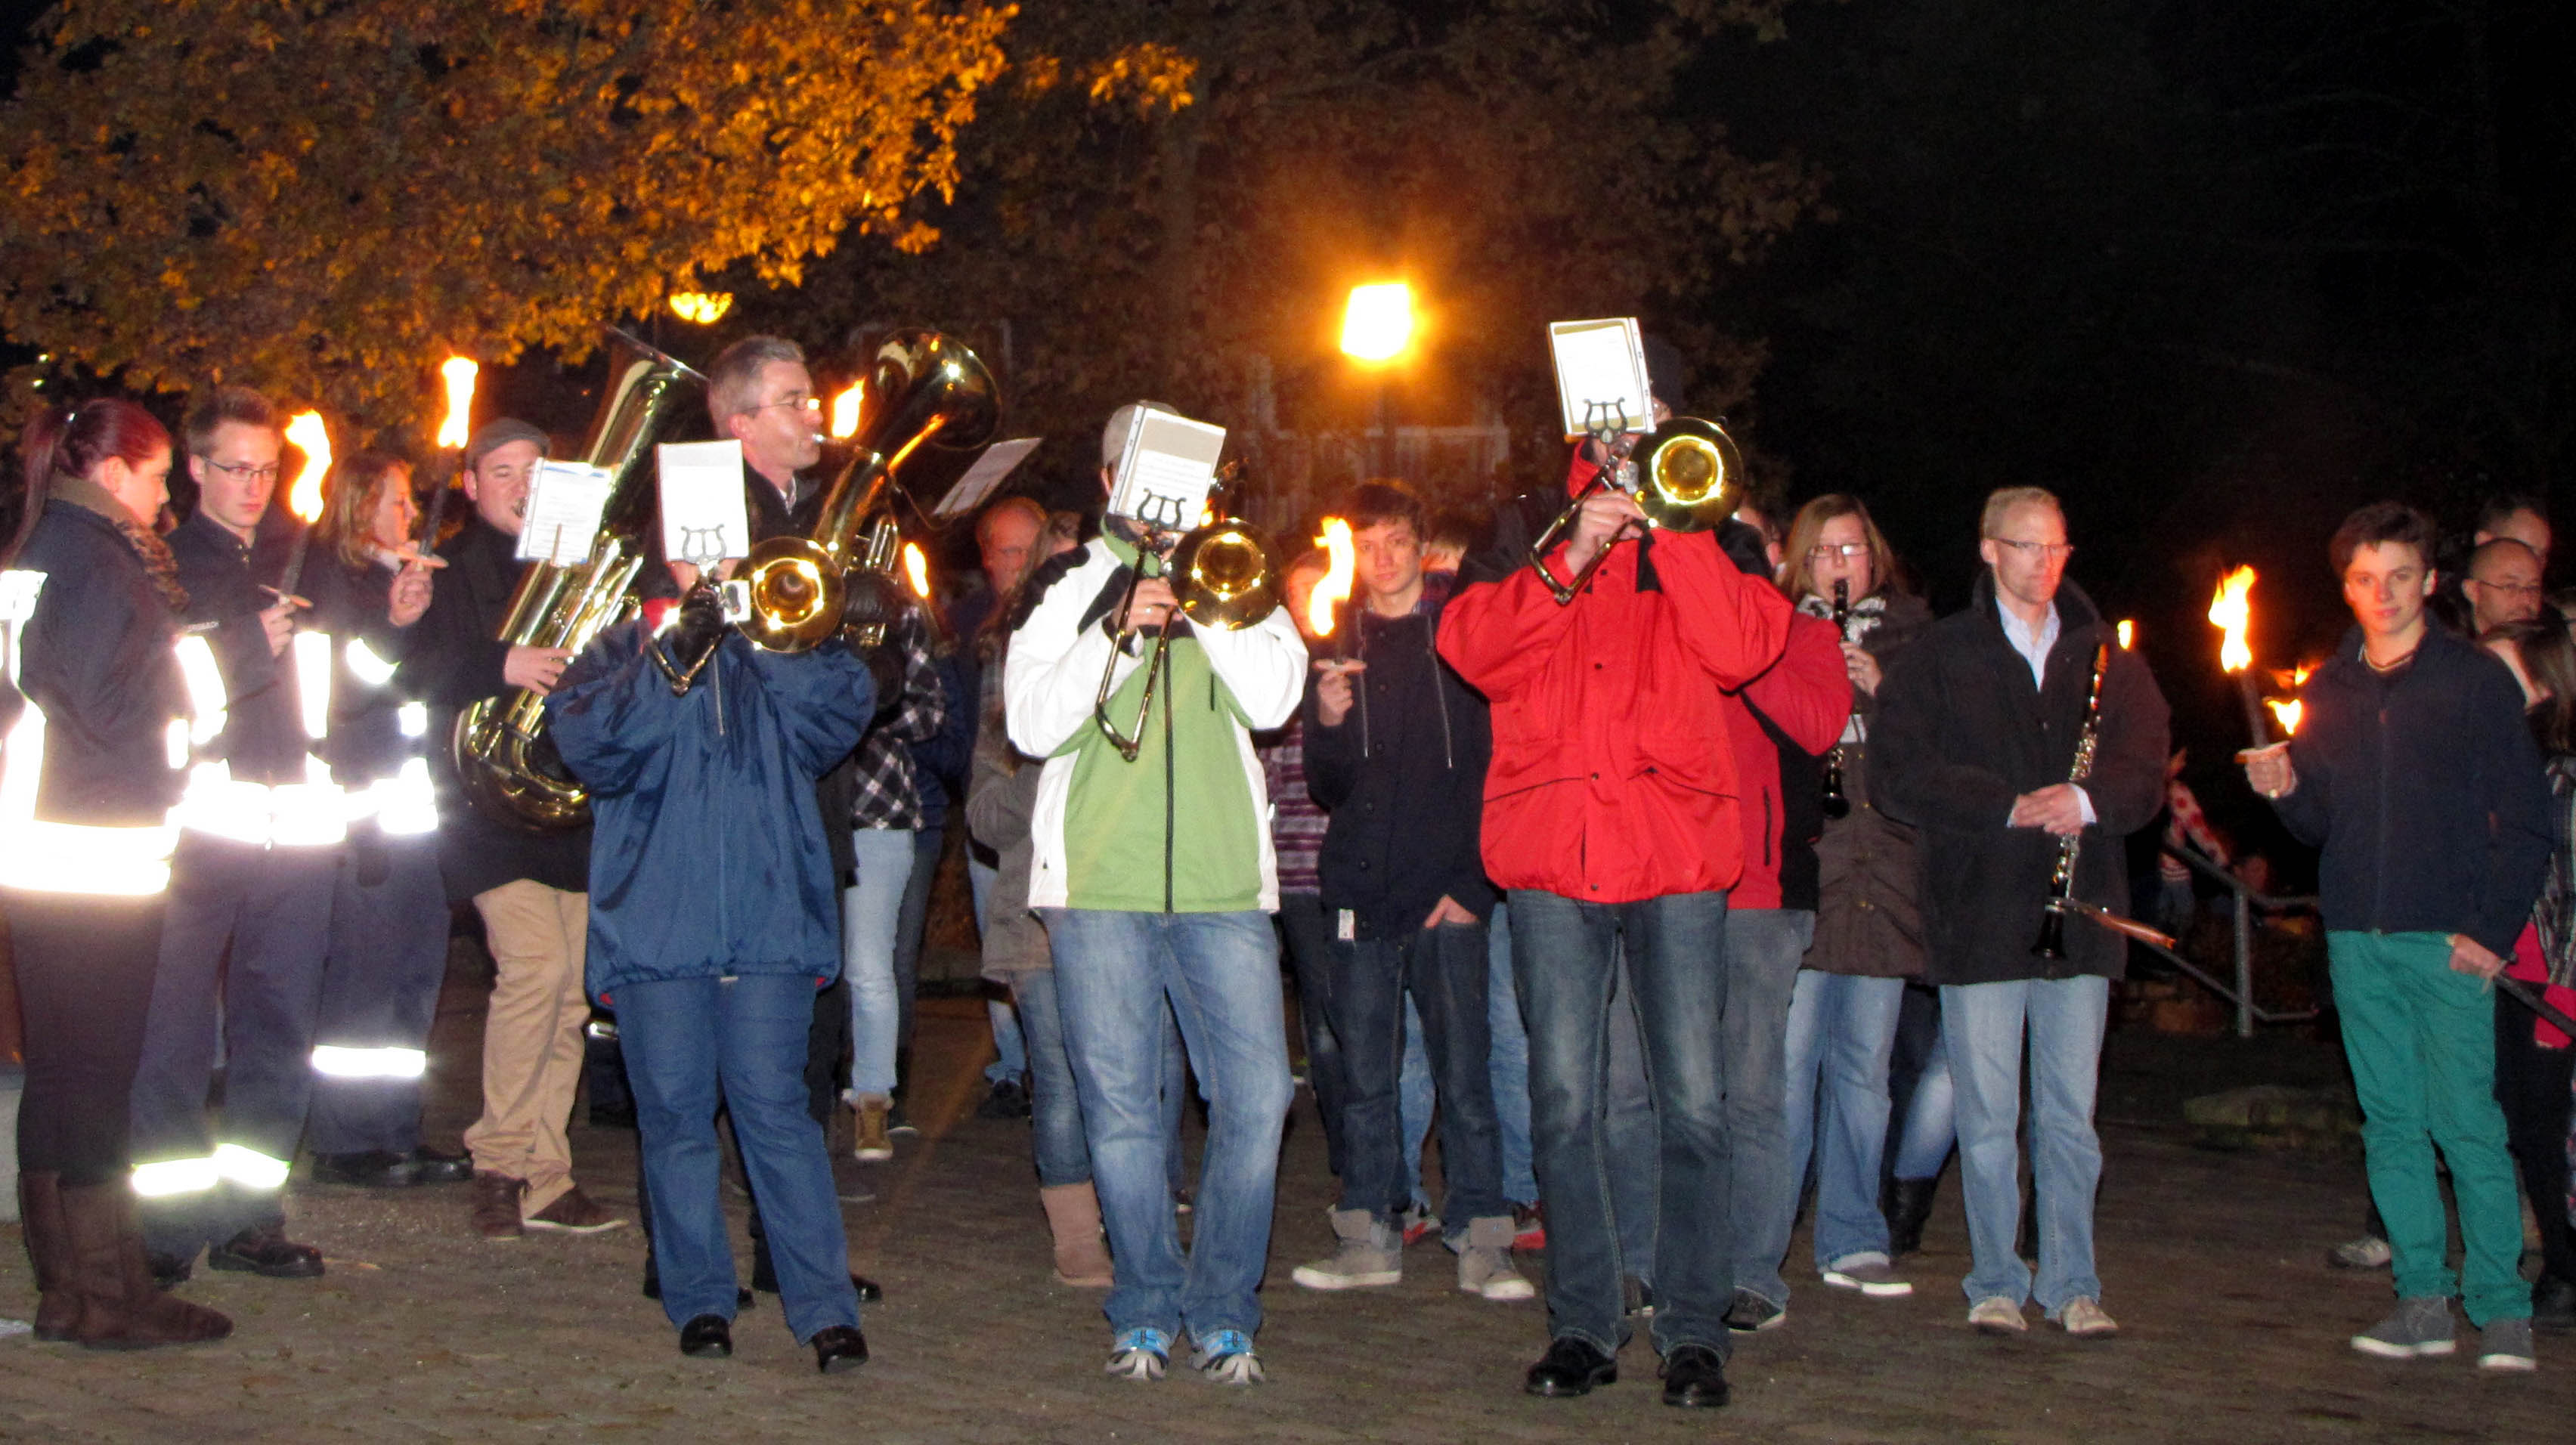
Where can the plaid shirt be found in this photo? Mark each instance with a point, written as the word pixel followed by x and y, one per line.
pixel 1296 824
pixel 883 793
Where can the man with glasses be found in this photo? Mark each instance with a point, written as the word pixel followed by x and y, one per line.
pixel 1975 744
pixel 250 883
pixel 2503 585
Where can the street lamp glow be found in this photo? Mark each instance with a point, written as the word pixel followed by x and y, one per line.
pixel 1378 323
pixel 704 308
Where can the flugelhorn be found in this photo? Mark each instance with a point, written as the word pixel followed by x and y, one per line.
pixel 1224 575
pixel 507 766
pixel 1685 474
pixel 922 387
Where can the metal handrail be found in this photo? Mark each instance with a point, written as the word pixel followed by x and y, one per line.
pixel 2246 901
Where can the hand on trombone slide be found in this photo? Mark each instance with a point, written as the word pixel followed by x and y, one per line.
pixel 1601 520
pixel 1152 604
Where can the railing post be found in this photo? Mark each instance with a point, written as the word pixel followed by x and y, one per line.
pixel 2244 963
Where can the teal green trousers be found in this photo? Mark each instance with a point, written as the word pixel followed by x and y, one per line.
pixel 2422 1044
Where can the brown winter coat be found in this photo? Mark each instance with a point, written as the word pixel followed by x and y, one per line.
pixel 1868 923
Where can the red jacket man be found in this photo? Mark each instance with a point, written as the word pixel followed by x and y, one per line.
pixel 1611 813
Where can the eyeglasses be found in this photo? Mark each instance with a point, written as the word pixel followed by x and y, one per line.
pixel 1828 551
pixel 2037 551
pixel 2511 589
pixel 801 403
pixel 242 472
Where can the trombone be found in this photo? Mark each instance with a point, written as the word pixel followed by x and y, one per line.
pixel 1224 574
pixel 1685 474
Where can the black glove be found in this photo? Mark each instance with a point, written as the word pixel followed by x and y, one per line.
pixel 701 626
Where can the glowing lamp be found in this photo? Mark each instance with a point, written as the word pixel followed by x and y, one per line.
pixel 1377 323
pixel 2128 633
pixel 703 308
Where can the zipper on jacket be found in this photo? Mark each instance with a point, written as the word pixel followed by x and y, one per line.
pixel 1171 771
pixel 2379 870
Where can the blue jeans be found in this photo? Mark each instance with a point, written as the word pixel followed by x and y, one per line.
pixel 870 911
pixel 1010 1048
pixel 1841 1027
pixel 1674 950
pixel 1983 1025
pixel 1763 947
pixel 1055 1109
pixel 1628 1138
pixel 1443 972
pixel 1931 1118
pixel 1220 972
pixel 1510 1066
pixel 691 1043
pixel 1415 1102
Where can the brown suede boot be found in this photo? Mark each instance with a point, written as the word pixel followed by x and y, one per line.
pixel 120 1307
pixel 49 1249
pixel 1073 1217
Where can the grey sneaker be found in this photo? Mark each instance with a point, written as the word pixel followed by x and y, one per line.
pixel 1485 1265
pixel 1752 1313
pixel 1370 1253
pixel 2367 1252
pixel 2421 1326
pixel 1869 1272
pixel 2505 1346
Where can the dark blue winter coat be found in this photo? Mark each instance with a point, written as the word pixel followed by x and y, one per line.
pixel 707 849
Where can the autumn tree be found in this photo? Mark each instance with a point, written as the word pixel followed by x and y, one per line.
pixel 326 198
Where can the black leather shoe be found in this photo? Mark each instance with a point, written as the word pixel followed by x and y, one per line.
pixel 708 1337
pixel 1570 1367
pixel 266 1252
pixel 1694 1377
pixel 839 1348
pixel 169 1271
pixel 2553 1304
pixel 764 1278
pixel 437 1166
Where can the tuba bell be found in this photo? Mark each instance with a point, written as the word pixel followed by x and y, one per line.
pixel 922 387
pixel 507 765
pixel 1686 476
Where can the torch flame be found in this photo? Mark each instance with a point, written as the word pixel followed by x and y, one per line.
pixel 2128 633
pixel 704 308
pixel 1335 585
pixel 2231 611
pixel 2289 710
pixel 310 437
pixel 460 373
pixel 916 570
pixel 845 409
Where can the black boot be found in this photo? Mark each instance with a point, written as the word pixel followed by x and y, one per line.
pixel 1909 1204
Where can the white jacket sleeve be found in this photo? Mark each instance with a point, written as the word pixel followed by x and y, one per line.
pixel 1263 666
pixel 1052 675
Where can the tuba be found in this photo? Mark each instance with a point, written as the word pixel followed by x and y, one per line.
pixel 923 387
pixel 1685 474
pixel 507 765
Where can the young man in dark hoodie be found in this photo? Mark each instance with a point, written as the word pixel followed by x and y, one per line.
pixel 1396 748
pixel 2415 775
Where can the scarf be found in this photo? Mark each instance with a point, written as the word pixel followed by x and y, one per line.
pixel 149 549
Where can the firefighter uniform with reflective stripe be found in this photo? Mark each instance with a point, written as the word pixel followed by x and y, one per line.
pixel 86 780
pixel 261 826
pixel 388 942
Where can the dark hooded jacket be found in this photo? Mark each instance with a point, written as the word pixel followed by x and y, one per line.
pixel 1961 732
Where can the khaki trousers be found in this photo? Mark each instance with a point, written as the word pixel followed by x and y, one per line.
pixel 532 1037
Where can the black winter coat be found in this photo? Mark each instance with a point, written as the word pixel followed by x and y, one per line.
pixel 1961 732
pixel 263 737
pixel 96 656
pixel 2425 792
pixel 1403 777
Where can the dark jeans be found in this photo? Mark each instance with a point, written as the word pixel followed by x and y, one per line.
pixel 2532 1084
pixel 1308 939
pixel 1674 948
pixel 1055 1105
pixel 1445 968
pixel 242 944
pixel 84 969
pixel 388 955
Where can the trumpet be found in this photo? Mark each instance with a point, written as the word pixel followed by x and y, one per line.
pixel 1686 475
pixel 1225 575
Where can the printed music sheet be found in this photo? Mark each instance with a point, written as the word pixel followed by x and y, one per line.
pixel 564 503
pixel 1165 473
pixel 984 477
pixel 704 516
pixel 1601 375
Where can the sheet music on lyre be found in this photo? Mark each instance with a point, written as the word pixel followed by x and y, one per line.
pixel 984 477
pixel 704 516
pixel 1166 470
pixel 1601 376
pixel 565 500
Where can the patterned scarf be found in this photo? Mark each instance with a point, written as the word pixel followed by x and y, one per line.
pixel 148 547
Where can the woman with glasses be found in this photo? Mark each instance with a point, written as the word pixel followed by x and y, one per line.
pixel 370 586
pixel 1842 1015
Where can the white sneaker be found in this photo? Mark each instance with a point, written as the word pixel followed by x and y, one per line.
pixel 1140 1354
pixel 1485 1266
pixel 1995 1315
pixel 1870 1272
pixel 1226 1358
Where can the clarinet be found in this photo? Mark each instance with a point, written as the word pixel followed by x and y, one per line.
pixel 1836 805
pixel 2061 886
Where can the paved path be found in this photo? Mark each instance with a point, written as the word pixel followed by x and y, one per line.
pixel 2234 1328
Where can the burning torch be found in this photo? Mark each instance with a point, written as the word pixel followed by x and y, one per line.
pixel 304 499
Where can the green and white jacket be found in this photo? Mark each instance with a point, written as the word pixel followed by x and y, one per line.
pixel 1182 828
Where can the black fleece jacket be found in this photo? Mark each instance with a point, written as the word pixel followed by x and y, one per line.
pixel 1403 777
pixel 2424 791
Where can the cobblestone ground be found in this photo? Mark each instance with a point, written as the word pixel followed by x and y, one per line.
pixel 2233 1328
